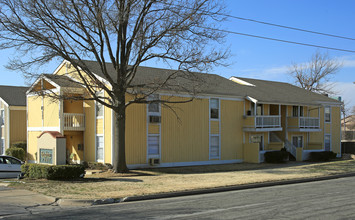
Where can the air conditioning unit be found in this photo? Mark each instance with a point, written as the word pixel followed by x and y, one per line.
pixel 154 161
pixel 154 119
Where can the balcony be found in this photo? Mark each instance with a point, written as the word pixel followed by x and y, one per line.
pixel 303 124
pixel 74 122
pixel 262 123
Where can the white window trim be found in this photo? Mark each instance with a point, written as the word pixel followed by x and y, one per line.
pixel 219 109
pixel 159 142
pixel 149 98
pixel 330 114
pixel 298 136
pixel 103 153
pixel 219 147
pixel 258 134
pixel 330 141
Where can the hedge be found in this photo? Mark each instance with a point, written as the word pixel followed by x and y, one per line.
pixel 322 156
pixel 276 156
pixel 52 172
pixel 19 144
pixel 16 152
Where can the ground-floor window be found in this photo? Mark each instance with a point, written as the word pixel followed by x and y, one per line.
pixel 297 141
pixel 327 142
pixel 2 146
pixel 153 144
pixel 257 139
pixel 214 147
pixel 99 148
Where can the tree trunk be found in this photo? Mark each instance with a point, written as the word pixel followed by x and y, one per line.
pixel 120 165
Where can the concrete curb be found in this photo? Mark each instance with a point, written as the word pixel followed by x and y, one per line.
pixel 73 202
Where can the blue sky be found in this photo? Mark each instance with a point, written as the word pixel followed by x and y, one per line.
pixel 264 59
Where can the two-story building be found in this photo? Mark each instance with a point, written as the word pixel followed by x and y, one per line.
pixel 228 121
pixel 12 116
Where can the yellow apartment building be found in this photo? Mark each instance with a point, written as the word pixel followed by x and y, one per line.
pixel 12 116
pixel 229 121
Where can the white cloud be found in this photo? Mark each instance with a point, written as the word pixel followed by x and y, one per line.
pixel 347 91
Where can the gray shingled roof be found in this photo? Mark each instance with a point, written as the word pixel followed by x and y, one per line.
pixel 276 92
pixel 211 84
pixel 14 95
pixel 62 81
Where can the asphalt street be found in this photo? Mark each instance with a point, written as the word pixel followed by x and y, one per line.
pixel 329 199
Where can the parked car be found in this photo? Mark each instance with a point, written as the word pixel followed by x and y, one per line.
pixel 10 167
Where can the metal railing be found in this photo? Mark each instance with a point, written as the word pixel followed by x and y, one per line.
pixel 291 148
pixel 74 121
pixel 267 121
pixel 309 122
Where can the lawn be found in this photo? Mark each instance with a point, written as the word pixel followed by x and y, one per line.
pixel 160 180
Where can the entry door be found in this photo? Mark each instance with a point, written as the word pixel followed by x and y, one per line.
pixel 297 141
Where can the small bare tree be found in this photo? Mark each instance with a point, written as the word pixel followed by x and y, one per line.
pixel 315 74
pixel 126 33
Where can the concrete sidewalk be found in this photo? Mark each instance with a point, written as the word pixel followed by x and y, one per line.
pixel 17 201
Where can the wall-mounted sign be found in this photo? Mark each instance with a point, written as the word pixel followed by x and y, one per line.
pixel 46 156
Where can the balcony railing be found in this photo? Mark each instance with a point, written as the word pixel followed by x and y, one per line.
pixel 74 122
pixel 309 122
pixel 267 121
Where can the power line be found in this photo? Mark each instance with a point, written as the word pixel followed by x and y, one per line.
pixel 288 27
pixel 280 40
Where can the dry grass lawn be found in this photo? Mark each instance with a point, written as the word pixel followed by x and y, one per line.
pixel 159 180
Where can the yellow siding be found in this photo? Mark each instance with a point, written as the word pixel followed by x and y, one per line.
pixel 317 137
pixel 336 130
pixel 186 139
pixel 108 137
pixel 32 145
pixel 18 126
pixel 273 146
pixel 73 139
pixel 72 106
pixel 266 109
pixel 292 122
pixel 251 153
pixel 153 129
pixel 249 122
pixel 136 134
pixel 231 130
pixel 51 112
pixel 99 126
pixel 34 104
pixel 214 127
pixel 89 135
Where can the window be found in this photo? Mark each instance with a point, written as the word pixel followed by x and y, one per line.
pixel 259 109
pixel 327 142
pixel 2 146
pixel 327 112
pixel 153 107
pixel 214 147
pixel 2 117
pixel 295 111
pixel 214 107
pixel 153 144
pixel 297 141
pixel 252 108
pixel 257 139
pixel 301 111
pixel 99 110
pixel 99 148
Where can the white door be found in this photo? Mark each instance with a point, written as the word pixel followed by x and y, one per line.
pixel 297 141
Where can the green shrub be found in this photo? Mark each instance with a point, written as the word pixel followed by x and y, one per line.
pixel 276 156
pixel 98 166
pixel 16 152
pixel 35 171
pixel 52 172
pixel 19 144
pixel 322 156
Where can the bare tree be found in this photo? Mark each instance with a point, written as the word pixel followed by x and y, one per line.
pixel 118 34
pixel 315 74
